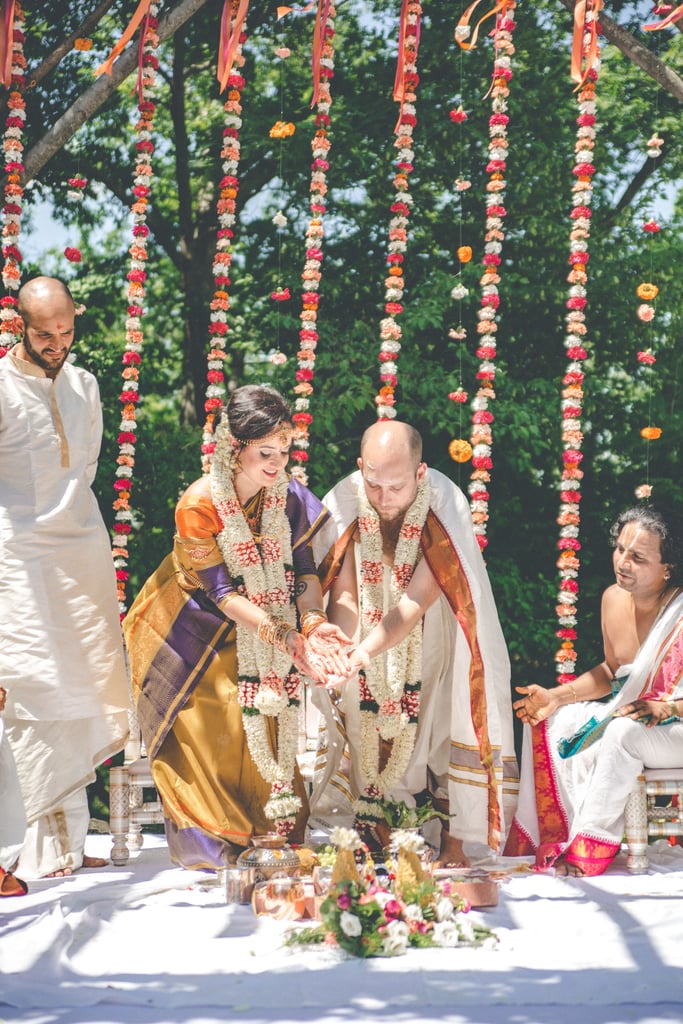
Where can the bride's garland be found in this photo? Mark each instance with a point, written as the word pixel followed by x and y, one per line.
pixel 268 685
pixel 390 685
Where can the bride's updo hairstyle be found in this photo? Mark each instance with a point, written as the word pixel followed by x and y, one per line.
pixel 256 410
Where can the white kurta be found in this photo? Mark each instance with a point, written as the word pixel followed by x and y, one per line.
pixel 61 651
pixel 446 750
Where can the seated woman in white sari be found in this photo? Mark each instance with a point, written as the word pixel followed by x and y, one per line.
pixel 581 757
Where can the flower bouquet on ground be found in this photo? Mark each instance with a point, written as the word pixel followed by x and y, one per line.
pixel 398 814
pixel 367 919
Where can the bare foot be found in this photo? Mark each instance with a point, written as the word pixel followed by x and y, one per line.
pixel 563 867
pixel 93 862
pixel 451 853
pixel 88 862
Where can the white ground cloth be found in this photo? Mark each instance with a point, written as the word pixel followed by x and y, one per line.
pixel 152 943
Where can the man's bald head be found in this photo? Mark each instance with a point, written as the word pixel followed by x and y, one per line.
pixel 391 464
pixel 394 436
pixel 47 309
pixel 44 293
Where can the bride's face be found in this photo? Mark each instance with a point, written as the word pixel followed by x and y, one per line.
pixel 260 464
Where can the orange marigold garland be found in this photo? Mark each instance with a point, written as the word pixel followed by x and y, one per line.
pixel 13 148
pixel 311 274
pixel 226 206
pixel 572 395
pixel 482 418
pixel 406 83
pixel 136 277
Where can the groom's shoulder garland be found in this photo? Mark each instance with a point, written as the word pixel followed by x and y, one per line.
pixel 268 683
pixel 390 686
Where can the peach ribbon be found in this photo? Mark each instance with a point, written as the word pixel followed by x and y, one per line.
pixel 140 13
pixel 669 20
pixel 470 44
pixel 6 43
pixel 232 22
pixel 580 7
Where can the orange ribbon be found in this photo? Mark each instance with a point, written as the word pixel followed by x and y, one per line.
pixel 499 7
pixel 579 76
pixel 232 21
pixel 282 12
pixel 6 43
pixel 669 20
pixel 140 13
pixel 318 43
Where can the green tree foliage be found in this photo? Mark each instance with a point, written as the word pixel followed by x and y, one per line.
pixel 621 395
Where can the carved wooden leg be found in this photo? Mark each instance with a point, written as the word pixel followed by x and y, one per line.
pixel 134 827
pixel 119 816
pixel 635 828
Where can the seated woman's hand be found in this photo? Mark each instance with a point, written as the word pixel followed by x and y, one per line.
pixel 536 706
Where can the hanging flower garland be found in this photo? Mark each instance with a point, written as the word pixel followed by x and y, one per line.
pixel 227 203
pixel 14 78
pixel 406 83
pixel 136 277
pixel 481 438
pixel 572 394
pixel 311 274
pixel 647 293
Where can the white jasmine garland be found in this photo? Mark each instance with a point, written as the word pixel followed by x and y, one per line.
pixel 268 685
pixel 390 685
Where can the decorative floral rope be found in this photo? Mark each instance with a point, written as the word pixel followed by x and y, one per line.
pixel 406 83
pixel 218 321
pixel 572 394
pixel 13 148
pixel 646 312
pixel 137 275
pixel 311 275
pixel 481 438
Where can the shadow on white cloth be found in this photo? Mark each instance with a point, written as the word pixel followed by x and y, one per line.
pixel 153 944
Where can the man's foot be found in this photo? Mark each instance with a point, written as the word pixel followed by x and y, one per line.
pixel 565 867
pixel 88 862
pixel 451 854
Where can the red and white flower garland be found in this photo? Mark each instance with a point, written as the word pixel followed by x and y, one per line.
pixel 13 149
pixel 227 202
pixel 481 438
pixel 269 686
pixel 136 277
pixel 390 332
pixel 390 685
pixel 572 393
pixel 311 274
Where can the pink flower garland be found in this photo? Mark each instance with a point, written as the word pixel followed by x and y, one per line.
pixel 390 332
pixel 227 202
pixel 137 275
pixel 13 148
pixel 572 394
pixel 308 333
pixel 481 436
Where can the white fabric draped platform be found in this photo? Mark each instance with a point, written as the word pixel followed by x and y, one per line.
pixel 153 944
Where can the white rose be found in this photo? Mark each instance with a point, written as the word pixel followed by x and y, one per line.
pixel 350 924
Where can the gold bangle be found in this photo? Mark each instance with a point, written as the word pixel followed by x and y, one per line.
pixel 266 629
pixel 674 710
pixel 310 620
pixel 282 631
pixel 573 692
